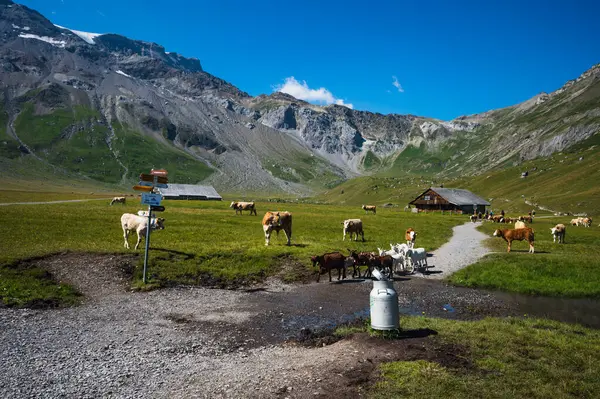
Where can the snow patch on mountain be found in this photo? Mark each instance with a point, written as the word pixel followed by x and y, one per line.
pixel 52 41
pixel 85 36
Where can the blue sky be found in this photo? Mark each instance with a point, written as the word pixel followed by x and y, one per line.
pixel 448 58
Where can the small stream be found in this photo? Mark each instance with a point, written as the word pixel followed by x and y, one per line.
pixel 324 306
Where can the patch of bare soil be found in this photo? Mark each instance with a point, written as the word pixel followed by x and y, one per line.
pixel 94 275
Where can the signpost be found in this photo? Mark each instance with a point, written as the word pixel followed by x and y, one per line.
pixel 148 182
pixel 143 188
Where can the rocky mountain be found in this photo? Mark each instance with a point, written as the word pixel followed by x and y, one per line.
pixel 107 107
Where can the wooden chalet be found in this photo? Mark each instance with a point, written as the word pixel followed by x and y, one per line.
pixel 449 199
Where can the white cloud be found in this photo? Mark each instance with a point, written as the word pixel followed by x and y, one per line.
pixel 397 84
pixel 301 91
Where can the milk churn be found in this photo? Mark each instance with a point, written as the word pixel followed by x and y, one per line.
pixel 384 304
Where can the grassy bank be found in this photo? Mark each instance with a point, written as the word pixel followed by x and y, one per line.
pixel 205 242
pixel 499 358
pixel 569 269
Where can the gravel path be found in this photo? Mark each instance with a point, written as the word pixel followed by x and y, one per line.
pixel 464 248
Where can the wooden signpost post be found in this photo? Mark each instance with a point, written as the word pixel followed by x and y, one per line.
pixel 148 182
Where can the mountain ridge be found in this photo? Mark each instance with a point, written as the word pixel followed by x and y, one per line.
pixel 117 90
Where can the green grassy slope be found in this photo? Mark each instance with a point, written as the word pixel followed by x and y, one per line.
pixel 561 182
pixel 141 153
pixel 569 269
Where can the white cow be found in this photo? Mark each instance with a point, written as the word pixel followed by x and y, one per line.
pixel 131 222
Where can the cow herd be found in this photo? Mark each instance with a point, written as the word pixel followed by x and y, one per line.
pixel 523 233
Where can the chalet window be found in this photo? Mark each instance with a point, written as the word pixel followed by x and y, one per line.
pixel 427 197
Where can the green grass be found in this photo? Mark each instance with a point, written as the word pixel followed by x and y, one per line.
pixel 206 240
pixel 141 153
pixel 509 358
pixel 25 286
pixel 569 269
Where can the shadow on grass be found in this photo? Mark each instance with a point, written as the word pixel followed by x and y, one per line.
pixel 172 251
pixel 418 333
pixel 527 251
pixel 299 245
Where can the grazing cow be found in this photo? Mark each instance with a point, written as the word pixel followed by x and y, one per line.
pixel 559 231
pixel 517 234
pixel 118 200
pixel 130 222
pixel 575 222
pixel 370 208
pixel 328 261
pixel 353 226
pixel 528 219
pixel 277 221
pixel 587 222
pixel 473 218
pixel 243 206
pixel 410 236
pixel 520 225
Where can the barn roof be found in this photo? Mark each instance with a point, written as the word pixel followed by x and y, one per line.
pixel 194 190
pixel 458 196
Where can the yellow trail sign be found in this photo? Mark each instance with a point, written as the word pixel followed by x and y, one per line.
pixel 143 188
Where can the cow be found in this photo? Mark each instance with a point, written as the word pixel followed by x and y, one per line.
pixel 411 236
pixel 243 206
pixel 587 222
pixel 473 218
pixel 370 208
pixel 276 221
pixel 517 234
pixel 353 226
pixel 118 200
pixel 576 221
pixel 131 222
pixel 331 260
pixel 559 231
pixel 528 219
pixel 520 225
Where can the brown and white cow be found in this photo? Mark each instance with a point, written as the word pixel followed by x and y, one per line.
pixel 510 235
pixel 369 208
pixel 411 236
pixel 276 221
pixel 353 226
pixel 118 200
pixel 243 206
pixel 559 231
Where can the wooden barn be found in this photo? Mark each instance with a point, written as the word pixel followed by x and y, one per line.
pixel 449 199
pixel 189 192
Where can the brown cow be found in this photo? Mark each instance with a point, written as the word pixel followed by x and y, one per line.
pixel 118 200
pixel 370 208
pixel 243 206
pixel 331 260
pixel 277 221
pixel 510 235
